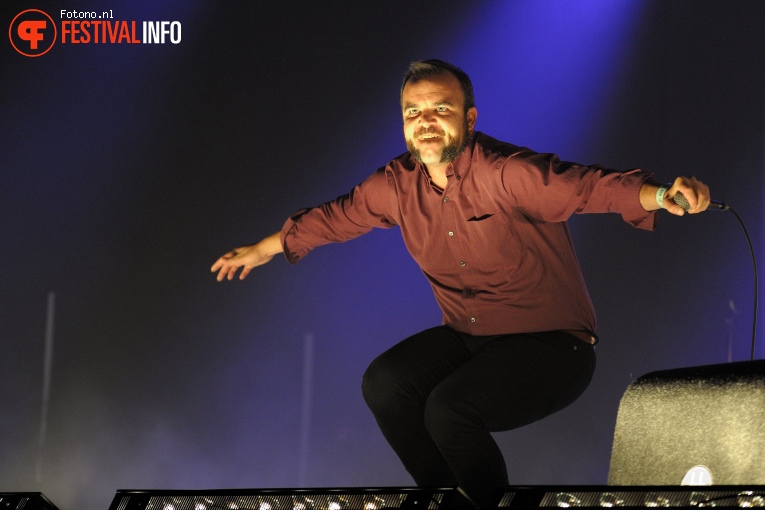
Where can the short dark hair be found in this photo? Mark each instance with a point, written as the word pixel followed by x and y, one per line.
pixel 424 68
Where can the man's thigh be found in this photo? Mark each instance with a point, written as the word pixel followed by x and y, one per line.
pixel 514 380
pixel 417 364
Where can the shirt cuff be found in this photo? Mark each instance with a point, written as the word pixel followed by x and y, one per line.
pixel 633 213
pixel 293 252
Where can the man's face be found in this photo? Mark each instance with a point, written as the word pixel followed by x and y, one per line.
pixel 436 126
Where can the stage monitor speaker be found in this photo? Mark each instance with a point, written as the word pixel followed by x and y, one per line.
pixel 526 498
pixel 692 426
pixel 25 501
pixel 286 499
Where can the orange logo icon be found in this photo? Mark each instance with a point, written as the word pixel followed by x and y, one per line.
pixel 32 33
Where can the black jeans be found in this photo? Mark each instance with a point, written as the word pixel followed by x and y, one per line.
pixel 438 394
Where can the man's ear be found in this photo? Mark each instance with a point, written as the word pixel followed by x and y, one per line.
pixel 472 115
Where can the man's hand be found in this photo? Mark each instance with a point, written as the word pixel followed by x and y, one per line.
pixel 695 192
pixel 247 257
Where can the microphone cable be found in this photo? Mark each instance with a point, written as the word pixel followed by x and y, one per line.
pixel 680 200
pixel 754 266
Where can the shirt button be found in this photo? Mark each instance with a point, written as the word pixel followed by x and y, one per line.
pixel 451 233
pixel 462 263
pixel 446 199
pixel 472 319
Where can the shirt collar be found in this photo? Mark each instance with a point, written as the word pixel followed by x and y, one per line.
pixel 460 166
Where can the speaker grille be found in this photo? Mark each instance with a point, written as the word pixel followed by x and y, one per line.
pixel 711 416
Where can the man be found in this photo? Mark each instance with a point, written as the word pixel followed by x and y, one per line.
pixel 485 220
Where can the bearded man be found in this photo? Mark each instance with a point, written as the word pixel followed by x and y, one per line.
pixel 486 222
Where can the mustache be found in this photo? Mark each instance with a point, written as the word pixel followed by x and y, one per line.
pixel 430 130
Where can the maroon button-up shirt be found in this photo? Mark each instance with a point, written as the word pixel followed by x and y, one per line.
pixel 494 243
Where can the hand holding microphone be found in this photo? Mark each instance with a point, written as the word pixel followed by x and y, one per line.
pixel 688 196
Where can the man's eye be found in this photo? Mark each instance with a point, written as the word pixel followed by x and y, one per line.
pixel 413 111
pixel 441 109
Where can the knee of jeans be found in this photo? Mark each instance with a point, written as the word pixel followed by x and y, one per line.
pixel 377 384
pixel 447 419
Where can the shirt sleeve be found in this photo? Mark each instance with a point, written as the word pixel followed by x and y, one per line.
pixel 548 189
pixel 367 206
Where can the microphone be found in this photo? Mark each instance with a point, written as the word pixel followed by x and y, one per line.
pixel 680 200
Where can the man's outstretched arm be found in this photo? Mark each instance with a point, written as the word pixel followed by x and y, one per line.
pixel 247 257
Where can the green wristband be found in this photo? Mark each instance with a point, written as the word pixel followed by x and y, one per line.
pixel 660 194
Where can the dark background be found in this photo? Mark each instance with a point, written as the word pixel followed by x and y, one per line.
pixel 126 170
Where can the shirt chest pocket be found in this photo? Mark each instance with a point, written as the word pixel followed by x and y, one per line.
pixel 490 240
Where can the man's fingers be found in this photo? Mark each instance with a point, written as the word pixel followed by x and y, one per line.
pixel 673 208
pixel 696 193
pixel 244 258
pixel 222 260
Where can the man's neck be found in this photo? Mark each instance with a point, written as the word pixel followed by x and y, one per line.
pixel 438 174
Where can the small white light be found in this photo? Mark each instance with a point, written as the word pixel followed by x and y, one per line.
pixel 700 499
pixel 566 500
pixel 655 500
pixel 749 499
pixel 609 500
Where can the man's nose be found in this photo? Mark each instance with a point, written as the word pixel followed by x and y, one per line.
pixel 427 118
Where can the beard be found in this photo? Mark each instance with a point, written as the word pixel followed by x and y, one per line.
pixel 450 152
